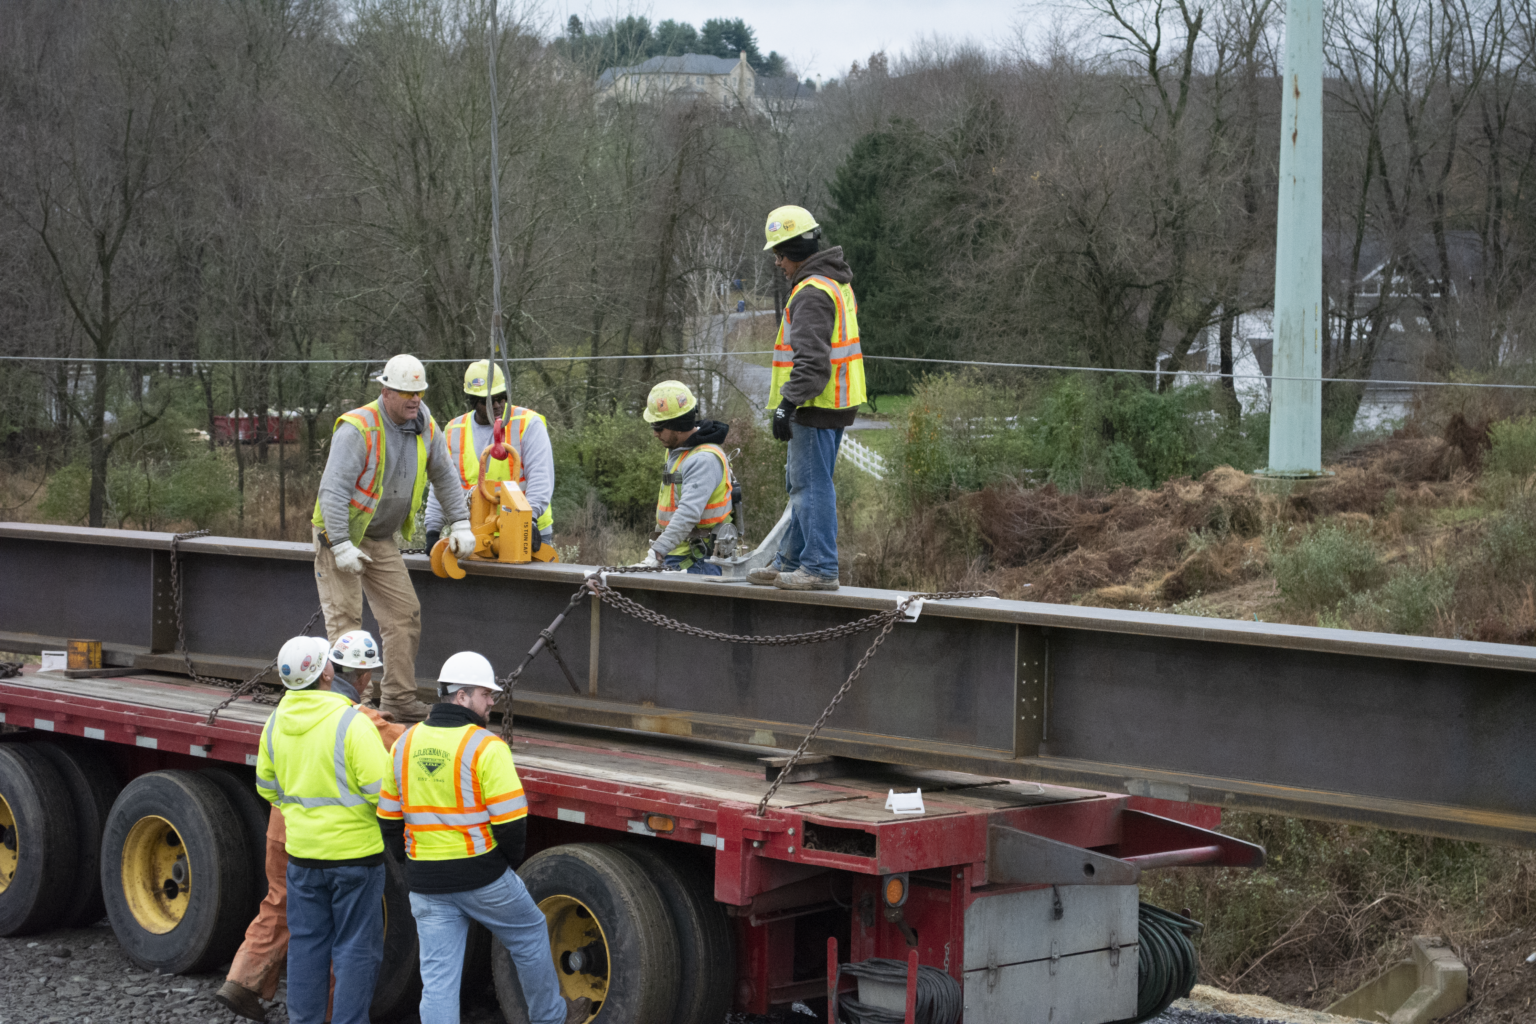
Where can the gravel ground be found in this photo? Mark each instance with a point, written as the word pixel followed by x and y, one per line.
pixel 80 976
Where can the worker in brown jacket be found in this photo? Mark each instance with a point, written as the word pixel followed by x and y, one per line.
pixel 254 973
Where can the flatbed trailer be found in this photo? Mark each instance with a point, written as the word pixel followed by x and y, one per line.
pixel 1025 893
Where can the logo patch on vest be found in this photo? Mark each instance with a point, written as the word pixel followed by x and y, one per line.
pixel 430 759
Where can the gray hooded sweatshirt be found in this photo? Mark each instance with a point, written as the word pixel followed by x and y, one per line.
pixel 348 451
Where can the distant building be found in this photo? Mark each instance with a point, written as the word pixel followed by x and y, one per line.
pixel 729 83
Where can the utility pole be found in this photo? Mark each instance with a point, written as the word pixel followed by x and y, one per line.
pixel 1296 390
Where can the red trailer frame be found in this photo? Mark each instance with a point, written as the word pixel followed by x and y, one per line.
pixel 814 867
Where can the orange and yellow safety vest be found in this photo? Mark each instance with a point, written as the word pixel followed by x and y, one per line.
pixel 845 386
pixel 460 434
pixel 450 786
pixel 369 485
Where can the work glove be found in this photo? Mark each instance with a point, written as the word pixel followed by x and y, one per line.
pixel 432 538
pixel 461 540
pixel 782 431
pixel 349 558
pixel 652 560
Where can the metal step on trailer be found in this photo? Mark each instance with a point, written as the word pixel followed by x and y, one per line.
pixel 1414 733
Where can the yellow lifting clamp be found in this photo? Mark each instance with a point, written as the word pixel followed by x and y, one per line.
pixel 501 520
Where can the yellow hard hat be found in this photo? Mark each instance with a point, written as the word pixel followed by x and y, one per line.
pixel 668 400
pixel 786 222
pixel 474 380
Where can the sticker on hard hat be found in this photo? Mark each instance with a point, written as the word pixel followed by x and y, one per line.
pixel 477 382
pixel 774 225
pixel 789 225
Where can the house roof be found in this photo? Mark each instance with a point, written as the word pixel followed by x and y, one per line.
pixel 687 64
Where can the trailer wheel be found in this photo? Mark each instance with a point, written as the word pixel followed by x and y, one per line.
pixel 37 841
pixel 93 786
pixel 176 873
pixel 398 990
pixel 239 788
pixel 706 942
pixel 610 935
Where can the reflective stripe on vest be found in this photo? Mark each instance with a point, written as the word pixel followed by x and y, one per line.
pixel 369 485
pixel 470 815
pixel 460 434
pixel 845 384
pixel 346 796
pixel 716 511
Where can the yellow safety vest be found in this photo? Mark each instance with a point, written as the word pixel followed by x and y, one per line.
pixel 369 485
pixel 718 509
pixel 845 387
pixel 460 434
pixel 322 764
pixel 451 786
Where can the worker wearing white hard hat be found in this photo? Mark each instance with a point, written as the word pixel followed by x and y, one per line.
pixel 461 845
pixel 695 503
pixel 530 460
pixel 383 455
pixel 257 965
pixel 323 765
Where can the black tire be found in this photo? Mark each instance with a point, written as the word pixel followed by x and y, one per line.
pixel 583 881
pixel 239 788
pixel 176 826
pixel 706 942
pixel 93 787
pixel 398 990
pixel 38 859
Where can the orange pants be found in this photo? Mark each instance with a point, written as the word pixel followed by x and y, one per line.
pixel 263 954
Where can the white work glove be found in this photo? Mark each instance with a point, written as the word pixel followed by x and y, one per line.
pixel 349 558
pixel 461 540
pixel 652 560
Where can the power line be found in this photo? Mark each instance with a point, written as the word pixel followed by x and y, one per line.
pixel 361 362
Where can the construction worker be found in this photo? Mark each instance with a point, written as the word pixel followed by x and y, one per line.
pixel 253 974
pixel 814 394
pixel 693 508
pixel 375 483
pixel 322 764
pixel 530 460
pixel 453 811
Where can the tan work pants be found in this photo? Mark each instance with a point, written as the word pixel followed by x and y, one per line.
pixel 265 950
pixel 387 584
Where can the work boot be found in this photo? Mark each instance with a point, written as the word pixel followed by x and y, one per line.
pixel 763 577
pixel 800 579
pixel 408 713
pixel 238 999
pixel 577 1010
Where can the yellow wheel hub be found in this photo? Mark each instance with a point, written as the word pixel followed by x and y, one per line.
pixel 157 879
pixel 580 949
pixel 8 845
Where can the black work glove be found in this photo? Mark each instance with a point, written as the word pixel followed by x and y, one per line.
pixel 432 536
pixel 536 540
pixel 782 431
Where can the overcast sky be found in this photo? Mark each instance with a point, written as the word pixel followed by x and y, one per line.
pixel 824 38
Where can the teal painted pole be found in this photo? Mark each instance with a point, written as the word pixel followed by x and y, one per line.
pixel 1296 406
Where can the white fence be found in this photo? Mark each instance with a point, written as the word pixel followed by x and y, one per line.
pixel 863 457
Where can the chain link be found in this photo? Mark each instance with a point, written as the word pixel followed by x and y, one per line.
pixel 270 696
pixel 597 586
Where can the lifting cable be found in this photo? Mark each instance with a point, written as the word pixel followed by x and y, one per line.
pixel 1165 960
pixel 596 585
pixel 939 998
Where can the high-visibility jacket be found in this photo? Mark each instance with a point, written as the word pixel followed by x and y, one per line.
pixel 716 511
pixel 451 786
pixel 460 435
pixel 369 485
pixel 322 764
pixel 845 387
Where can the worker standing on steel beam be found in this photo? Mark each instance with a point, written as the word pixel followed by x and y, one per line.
pixel 453 810
pixel 530 460
pixel 693 509
pixel 253 974
pixel 375 483
pixel 816 390
pixel 322 764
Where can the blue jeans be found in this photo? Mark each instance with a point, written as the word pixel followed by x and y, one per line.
pixel 335 917
pixel 504 906
pixel 811 540
pixel 702 567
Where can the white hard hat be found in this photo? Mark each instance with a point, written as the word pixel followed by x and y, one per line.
pixel 467 669
pixel 301 661
pixel 404 373
pixel 356 649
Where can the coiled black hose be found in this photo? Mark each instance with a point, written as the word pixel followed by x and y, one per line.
pixel 939 999
pixel 1166 968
